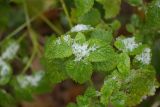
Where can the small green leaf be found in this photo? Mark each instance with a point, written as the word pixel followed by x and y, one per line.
pixel 55 70
pixel 124 64
pixel 80 38
pixel 63 50
pixel 83 6
pixel 130 28
pixel 57 49
pixel 101 54
pixel 108 65
pixel 79 71
pixel 116 24
pixel 93 17
pixel 102 35
pixel 112 7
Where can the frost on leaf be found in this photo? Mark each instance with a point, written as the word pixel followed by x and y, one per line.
pixel 145 56
pixel 11 51
pixel 82 51
pixel 66 39
pixel 25 81
pixel 130 44
pixel 81 27
pixel 5 72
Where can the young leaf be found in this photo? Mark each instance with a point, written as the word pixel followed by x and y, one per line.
pixel 80 38
pixel 80 71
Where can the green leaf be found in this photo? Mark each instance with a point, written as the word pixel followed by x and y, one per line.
pixel 79 71
pixel 112 7
pixel 108 89
pixel 19 93
pixel 93 17
pixel 128 45
pixel 62 50
pixel 80 38
pixel 153 15
pixel 55 70
pixel 101 54
pixel 139 83
pixel 118 99
pixel 83 6
pixel 102 35
pixel 108 65
pixel 124 64
pixel 116 24
pixel 6 100
pixel 5 72
pixel 57 49
pixel 130 28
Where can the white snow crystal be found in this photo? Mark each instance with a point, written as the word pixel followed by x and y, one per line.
pixel 145 56
pixel 130 44
pixel 11 51
pixel 81 27
pixel 58 41
pixel 81 51
pixel 30 80
pixel 4 68
pixel 66 38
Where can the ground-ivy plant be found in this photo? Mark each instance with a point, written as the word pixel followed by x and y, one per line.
pixel 90 42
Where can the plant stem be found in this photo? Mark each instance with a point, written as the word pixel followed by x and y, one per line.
pixel 21 38
pixel 33 39
pixel 17 30
pixel 49 23
pixel 66 12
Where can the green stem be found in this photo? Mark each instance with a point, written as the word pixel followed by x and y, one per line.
pixel 17 30
pixel 21 38
pixel 53 27
pixel 33 39
pixel 66 12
